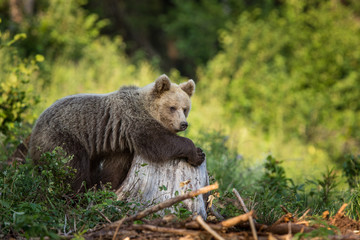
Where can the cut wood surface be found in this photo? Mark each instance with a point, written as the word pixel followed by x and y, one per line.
pixel 150 183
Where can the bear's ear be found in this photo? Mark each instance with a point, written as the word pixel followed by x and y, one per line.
pixel 188 87
pixel 162 84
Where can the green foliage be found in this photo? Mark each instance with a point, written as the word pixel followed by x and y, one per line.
pixel 225 205
pixel 351 168
pixel 37 200
pixel 276 190
pixel 61 28
pixel 16 92
pixel 223 163
pixel 181 212
pixel 324 188
pixel 188 22
pixel 354 203
pixel 286 73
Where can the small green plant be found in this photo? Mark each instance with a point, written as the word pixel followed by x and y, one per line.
pixel 351 168
pixel 324 189
pixel 225 205
pixel 275 189
pixel 223 163
pixel 181 212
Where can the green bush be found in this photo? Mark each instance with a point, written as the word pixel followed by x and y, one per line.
pixel 16 93
pixel 273 190
pixel 37 200
pixel 224 164
pixel 292 74
pixel 61 29
pixel 351 168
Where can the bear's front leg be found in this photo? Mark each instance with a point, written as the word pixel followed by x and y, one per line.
pixel 163 145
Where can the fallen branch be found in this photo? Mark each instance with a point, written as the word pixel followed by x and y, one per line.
pixel 236 220
pixel 177 231
pixel 224 224
pixel 169 203
pixel 196 225
pixel 283 228
pixel 208 228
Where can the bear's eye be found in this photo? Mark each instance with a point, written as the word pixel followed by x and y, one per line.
pixel 185 110
pixel 172 109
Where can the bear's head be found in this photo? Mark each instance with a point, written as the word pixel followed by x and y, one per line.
pixel 170 103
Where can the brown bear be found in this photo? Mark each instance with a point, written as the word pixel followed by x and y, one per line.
pixel 103 132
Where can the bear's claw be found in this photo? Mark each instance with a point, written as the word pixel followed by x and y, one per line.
pixel 200 157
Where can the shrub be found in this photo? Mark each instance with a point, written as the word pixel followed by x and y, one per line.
pixel 351 168
pixel 287 74
pixel 61 29
pixel 16 93
pixel 37 200
pixel 273 190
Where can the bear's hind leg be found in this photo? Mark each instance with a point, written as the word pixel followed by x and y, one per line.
pixel 114 169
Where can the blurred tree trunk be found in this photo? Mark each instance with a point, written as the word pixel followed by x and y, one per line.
pixel 20 8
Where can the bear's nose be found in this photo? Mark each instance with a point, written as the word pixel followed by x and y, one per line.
pixel 183 126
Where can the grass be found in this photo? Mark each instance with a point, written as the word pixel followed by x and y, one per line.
pixel 41 202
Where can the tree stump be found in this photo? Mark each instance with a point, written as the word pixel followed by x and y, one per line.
pixel 150 183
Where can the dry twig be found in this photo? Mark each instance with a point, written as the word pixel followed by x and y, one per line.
pixel 236 220
pixel 341 210
pixel 284 209
pixel 196 225
pixel 224 224
pixel 208 228
pixel 240 200
pixel 117 228
pixel 105 217
pixel 252 225
pixel 216 213
pixel 339 214
pixel 304 215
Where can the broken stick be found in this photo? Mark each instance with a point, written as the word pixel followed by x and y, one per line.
pixel 237 194
pixel 208 228
pixel 253 229
pixel 236 220
pixel 166 230
pixel 170 202
pixel 224 224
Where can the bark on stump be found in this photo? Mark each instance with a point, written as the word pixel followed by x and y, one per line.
pixel 150 183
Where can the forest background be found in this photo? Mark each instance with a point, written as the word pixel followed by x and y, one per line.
pixel 274 77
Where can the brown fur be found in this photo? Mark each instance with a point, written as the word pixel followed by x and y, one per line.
pixel 103 132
